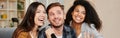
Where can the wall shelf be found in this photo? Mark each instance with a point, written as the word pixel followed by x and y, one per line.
pixel 8 10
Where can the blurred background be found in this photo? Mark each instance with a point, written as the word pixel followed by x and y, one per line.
pixel 13 11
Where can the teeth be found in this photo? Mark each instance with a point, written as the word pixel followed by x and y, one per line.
pixel 40 19
pixel 78 18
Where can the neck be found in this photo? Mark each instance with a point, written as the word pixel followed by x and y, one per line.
pixel 74 24
pixel 34 32
pixel 58 31
pixel 76 27
pixel 35 29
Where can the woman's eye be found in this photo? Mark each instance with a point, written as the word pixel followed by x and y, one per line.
pixel 83 12
pixel 77 11
pixel 37 12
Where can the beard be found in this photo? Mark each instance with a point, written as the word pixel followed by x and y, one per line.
pixel 57 26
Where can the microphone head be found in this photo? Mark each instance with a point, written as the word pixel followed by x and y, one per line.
pixel 53 35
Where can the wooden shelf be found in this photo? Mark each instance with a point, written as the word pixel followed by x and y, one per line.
pixel 20 10
pixel 10 8
pixel 13 0
pixel 4 20
pixel 3 0
pixel 3 9
pixel 21 1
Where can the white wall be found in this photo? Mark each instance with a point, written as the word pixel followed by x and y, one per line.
pixel 109 12
pixel 67 4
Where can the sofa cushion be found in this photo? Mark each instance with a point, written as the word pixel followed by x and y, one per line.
pixel 6 32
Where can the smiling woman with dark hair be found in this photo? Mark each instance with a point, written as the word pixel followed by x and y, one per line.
pixel 33 19
pixel 84 19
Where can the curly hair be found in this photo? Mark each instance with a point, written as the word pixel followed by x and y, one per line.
pixel 91 14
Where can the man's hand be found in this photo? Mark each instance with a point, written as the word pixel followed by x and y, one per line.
pixel 49 32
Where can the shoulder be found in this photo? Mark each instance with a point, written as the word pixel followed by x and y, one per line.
pixel 86 26
pixel 91 29
pixel 67 28
pixel 42 30
pixel 23 34
pixel 70 33
pixel 20 33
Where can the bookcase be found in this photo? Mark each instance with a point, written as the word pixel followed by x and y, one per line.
pixel 10 9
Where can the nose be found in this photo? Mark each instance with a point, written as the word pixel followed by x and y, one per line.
pixel 56 16
pixel 80 13
pixel 42 15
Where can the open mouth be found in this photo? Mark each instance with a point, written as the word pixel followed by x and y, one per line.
pixel 78 18
pixel 56 21
pixel 41 20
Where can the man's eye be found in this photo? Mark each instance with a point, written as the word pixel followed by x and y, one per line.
pixel 51 14
pixel 58 12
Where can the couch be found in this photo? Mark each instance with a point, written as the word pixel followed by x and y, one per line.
pixel 6 32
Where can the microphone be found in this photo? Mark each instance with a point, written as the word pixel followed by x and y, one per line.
pixel 53 36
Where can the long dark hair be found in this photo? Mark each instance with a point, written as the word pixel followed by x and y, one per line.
pixel 28 23
pixel 91 14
